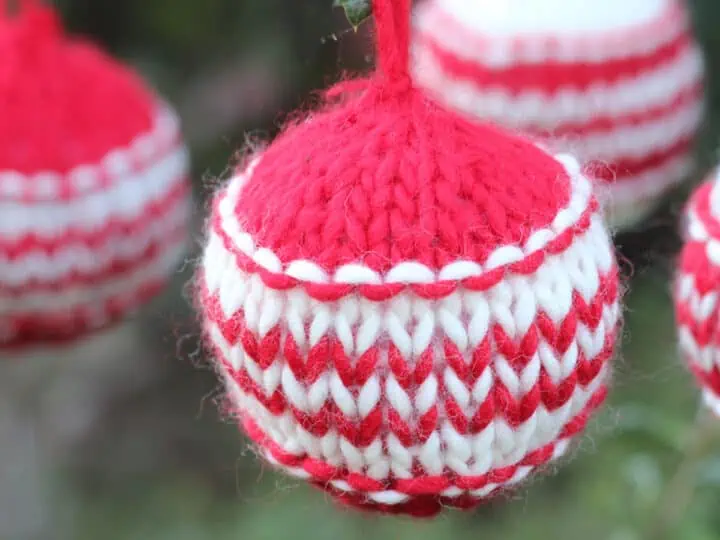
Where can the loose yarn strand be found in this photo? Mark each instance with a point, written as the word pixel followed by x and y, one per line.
pixel 392 23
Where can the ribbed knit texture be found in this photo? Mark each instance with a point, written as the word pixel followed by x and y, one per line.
pixel 408 309
pixel 621 88
pixel 93 184
pixel 697 289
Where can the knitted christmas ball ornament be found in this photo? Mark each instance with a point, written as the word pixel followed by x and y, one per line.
pixel 697 289
pixel 94 197
pixel 409 310
pixel 620 88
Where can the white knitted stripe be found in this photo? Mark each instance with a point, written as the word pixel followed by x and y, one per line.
pixel 701 307
pixel 78 257
pixel 406 272
pixel 124 200
pixel 498 445
pixel 711 401
pixel 555 17
pixel 503 33
pixel 696 231
pixel 534 108
pixel 639 140
pixel 378 466
pixel 413 325
pixel 706 357
pixel 94 295
pixel 117 164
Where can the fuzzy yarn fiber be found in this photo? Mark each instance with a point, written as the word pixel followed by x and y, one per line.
pixel 409 310
pixel 697 290
pixel 619 86
pixel 94 198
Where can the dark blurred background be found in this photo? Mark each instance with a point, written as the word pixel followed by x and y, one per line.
pixel 120 437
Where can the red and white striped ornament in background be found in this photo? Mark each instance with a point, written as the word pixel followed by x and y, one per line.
pixel 409 310
pixel 617 83
pixel 697 290
pixel 94 192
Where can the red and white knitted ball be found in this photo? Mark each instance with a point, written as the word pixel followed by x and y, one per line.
pixel 94 198
pixel 409 309
pixel 697 290
pixel 619 86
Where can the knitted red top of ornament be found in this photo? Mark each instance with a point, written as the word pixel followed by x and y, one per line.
pixel 64 102
pixel 93 190
pixel 620 88
pixel 409 310
pixel 697 289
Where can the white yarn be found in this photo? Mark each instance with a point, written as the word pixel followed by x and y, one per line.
pixel 72 257
pixel 125 199
pixel 156 270
pixel 531 108
pixel 410 271
pixel 413 325
pixel 563 17
pixel 89 177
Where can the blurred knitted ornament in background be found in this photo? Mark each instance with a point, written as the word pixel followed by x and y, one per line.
pixel 618 85
pixel 94 198
pixel 409 310
pixel 697 289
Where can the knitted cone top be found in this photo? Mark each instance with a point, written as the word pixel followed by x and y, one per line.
pixel 409 310
pixel 93 191
pixel 697 289
pixel 619 87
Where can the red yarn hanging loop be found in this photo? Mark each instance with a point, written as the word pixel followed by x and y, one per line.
pixel 392 76
pixel 392 23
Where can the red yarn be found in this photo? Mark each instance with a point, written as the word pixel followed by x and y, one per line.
pixel 377 190
pixel 550 77
pixel 93 184
pixel 363 347
pixel 63 102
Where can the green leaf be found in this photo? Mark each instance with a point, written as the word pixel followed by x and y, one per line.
pixel 356 11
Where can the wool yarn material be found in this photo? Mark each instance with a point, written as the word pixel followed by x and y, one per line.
pixel 619 86
pixel 697 289
pixel 94 198
pixel 409 310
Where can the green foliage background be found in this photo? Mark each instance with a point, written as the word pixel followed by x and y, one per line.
pixel 160 463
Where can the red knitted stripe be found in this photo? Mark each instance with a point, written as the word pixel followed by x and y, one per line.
pixel 153 211
pixel 328 354
pixel 599 125
pixel 115 269
pixel 394 199
pixel 71 100
pixel 418 507
pixel 629 168
pixel 327 292
pixel 709 381
pixel 705 333
pixel 694 262
pixel 103 178
pixel 672 21
pixel 552 77
pixel 426 491
pixel 28 329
